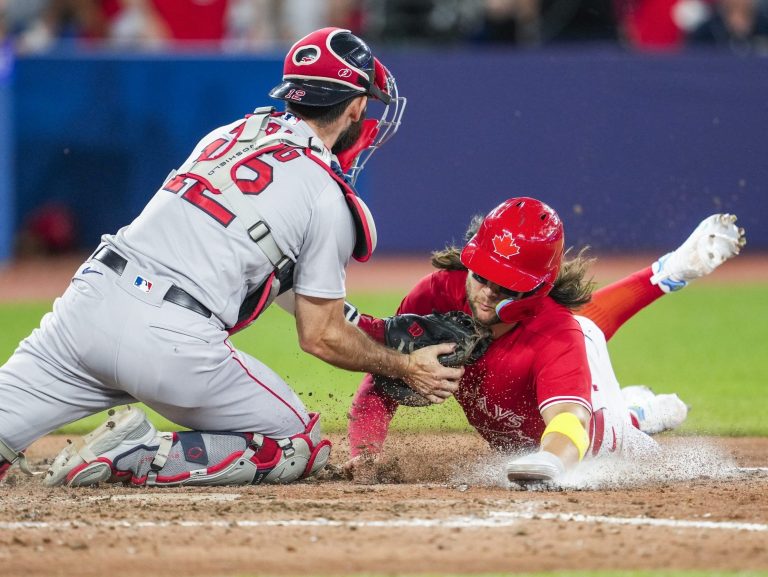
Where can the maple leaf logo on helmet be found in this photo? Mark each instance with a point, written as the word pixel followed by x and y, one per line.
pixel 504 245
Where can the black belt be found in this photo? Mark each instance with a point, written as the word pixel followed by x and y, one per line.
pixel 175 295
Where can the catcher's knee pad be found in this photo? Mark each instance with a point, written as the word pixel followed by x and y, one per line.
pixel 201 458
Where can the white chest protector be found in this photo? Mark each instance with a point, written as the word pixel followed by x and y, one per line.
pixel 217 173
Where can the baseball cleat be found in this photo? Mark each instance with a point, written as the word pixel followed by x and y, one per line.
pixel 4 466
pixel 89 460
pixel 655 413
pixel 536 467
pixel 714 241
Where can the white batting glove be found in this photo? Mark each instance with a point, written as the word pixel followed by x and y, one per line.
pixel 541 466
pixel 714 241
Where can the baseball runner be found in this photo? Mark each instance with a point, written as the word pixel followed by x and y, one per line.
pixel 260 206
pixel 544 389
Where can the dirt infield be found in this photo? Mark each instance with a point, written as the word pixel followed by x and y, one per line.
pixel 436 516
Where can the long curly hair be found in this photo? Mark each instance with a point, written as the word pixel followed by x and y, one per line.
pixel 572 288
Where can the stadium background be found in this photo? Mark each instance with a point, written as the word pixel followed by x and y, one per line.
pixel 631 149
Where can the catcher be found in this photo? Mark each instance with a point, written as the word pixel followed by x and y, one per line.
pixel 261 205
pixel 541 386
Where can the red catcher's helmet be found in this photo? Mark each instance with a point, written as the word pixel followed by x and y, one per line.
pixel 329 66
pixel 519 246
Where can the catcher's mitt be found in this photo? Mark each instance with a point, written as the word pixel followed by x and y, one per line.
pixel 406 333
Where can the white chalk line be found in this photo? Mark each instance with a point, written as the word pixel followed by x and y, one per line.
pixel 636 521
pixel 168 497
pixel 752 469
pixel 498 519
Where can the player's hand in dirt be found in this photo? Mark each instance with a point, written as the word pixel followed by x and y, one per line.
pixel 372 468
pixel 428 377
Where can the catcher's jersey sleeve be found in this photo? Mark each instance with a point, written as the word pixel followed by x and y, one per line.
pixel 330 237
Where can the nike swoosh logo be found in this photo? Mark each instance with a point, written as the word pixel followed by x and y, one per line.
pixel 88 270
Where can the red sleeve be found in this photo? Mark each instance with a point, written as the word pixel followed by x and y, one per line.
pixel 369 419
pixel 441 291
pixel 421 300
pixel 371 412
pixel 372 326
pixel 562 372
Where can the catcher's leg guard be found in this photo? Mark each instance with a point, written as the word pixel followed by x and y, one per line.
pixel 202 458
pixel 127 448
pixel 89 460
pixel 238 458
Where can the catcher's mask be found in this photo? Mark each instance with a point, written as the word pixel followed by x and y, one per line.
pixel 519 247
pixel 331 65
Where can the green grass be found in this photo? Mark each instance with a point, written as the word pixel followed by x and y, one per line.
pixel 707 343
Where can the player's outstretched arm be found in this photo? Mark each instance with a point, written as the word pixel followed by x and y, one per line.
pixel 563 445
pixel 324 333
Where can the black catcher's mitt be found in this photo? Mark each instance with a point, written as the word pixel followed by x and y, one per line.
pixel 406 333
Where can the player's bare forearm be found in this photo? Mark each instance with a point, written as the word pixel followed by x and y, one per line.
pixel 347 347
pixel 324 333
pixel 558 444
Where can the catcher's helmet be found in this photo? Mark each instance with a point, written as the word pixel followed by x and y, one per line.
pixel 519 246
pixel 329 66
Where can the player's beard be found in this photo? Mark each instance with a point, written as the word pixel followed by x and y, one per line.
pixel 348 138
pixel 481 315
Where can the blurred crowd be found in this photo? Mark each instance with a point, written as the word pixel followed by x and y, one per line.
pixel 251 25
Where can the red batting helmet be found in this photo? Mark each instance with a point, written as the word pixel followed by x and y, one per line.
pixel 519 246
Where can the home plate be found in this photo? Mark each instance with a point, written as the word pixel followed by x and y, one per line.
pixel 169 497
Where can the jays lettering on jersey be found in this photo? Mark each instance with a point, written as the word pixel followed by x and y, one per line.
pixel 541 362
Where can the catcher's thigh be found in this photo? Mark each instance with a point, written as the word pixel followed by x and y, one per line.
pixel 44 386
pixel 182 365
pixel 613 433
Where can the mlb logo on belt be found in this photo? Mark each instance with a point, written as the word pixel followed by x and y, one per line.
pixel 142 284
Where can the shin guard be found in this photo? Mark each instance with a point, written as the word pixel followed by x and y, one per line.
pixel 203 458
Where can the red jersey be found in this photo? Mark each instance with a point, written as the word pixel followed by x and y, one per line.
pixel 540 362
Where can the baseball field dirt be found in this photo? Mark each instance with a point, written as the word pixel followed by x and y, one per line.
pixel 437 507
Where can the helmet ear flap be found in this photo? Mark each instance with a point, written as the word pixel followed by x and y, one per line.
pixel 380 74
pixel 380 84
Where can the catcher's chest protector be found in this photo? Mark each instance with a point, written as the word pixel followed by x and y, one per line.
pixel 217 172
